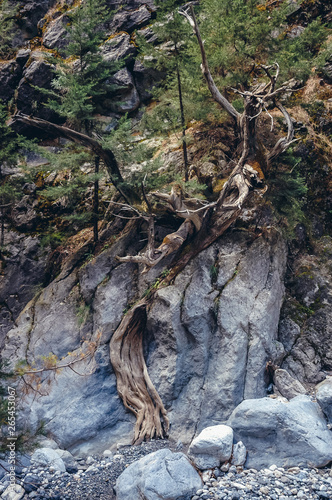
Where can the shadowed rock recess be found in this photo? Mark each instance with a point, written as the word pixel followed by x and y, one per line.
pixel 207 340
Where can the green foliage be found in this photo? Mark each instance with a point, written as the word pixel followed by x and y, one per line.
pixel 297 56
pixel 7 29
pixel 136 157
pixel 173 57
pixel 11 151
pixel 81 77
pixel 287 193
pixel 52 239
pixel 11 144
pixel 240 35
pixel 70 194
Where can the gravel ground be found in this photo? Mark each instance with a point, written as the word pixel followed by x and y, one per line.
pixel 96 477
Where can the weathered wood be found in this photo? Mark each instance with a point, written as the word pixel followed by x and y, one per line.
pixel 133 382
pixel 218 97
pixel 105 154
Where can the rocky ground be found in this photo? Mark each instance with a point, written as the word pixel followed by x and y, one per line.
pixel 95 477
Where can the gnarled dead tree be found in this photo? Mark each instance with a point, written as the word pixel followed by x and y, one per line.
pixel 202 226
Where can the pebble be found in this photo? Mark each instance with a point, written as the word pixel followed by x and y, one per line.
pixel 275 483
pixel 97 475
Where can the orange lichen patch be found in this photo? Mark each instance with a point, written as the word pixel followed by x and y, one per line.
pixel 118 33
pixel 256 166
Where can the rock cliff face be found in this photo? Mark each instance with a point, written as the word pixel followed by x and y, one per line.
pixel 207 340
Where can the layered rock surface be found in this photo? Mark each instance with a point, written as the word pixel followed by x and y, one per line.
pixel 207 340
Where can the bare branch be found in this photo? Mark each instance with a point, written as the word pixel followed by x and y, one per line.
pixel 284 142
pixel 217 96
pixel 104 153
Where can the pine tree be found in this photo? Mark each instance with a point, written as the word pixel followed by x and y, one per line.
pixel 172 57
pixel 80 78
pixel 241 35
pixel 11 145
pixel 80 81
pixel 7 29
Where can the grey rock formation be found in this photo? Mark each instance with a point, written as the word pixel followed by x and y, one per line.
pixel 213 331
pixel 56 36
pixel 48 457
pixel 29 99
pixel 207 341
pixel 125 20
pixel 118 47
pixel 31 12
pixel 132 4
pixel 22 275
pixel 284 434
pixel 22 56
pixel 124 97
pixel 23 215
pixel 10 75
pixel 309 307
pixel 212 447
pixel 324 397
pixel 287 385
pixel 44 442
pixel 145 78
pixel 162 475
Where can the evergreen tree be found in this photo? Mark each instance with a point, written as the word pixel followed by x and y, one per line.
pixel 172 57
pixel 241 35
pixel 80 81
pixel 11 145
pixel 80 78
pixel 7 29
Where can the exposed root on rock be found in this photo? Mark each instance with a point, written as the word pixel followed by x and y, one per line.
pixel 133 382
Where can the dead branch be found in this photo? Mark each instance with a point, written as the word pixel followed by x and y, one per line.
pixel 104 153
pixel 284 142
pixel 217 96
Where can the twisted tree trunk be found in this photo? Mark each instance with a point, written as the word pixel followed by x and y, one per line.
pixel 202 226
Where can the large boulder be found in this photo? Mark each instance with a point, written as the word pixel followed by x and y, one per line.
pixel 125 20
pixel 13 492
pixel 212 447
pixel 31 100
pixel 55 35
pixel 324 397
pixel 287 385
pixel 212 332
pixel 162 475
pixel 48 457
pixel 207 341
pixel 285 434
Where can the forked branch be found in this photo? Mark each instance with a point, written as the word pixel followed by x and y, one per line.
pixel 217 96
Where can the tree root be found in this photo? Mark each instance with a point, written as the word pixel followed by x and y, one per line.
pixel 133 382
